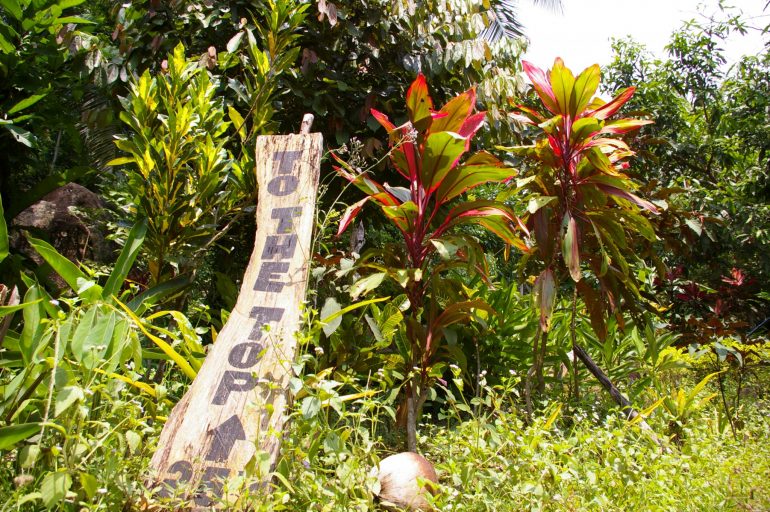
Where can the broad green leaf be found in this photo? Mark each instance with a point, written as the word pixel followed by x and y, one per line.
pixel 585 87
pixel 13 434
pixel 133 440
pixel 583 129
pixel 125 260
pixel 32 332
pixel 13 8
pixel 54 487
pixel 6 47
pixel 89 484
pixel 538 202
pixel 65 4
pixel 3 234
pixel 403 215
pixel 330 307
pixel 29 455
pixel 26 102
pixel 66 398
pixel 366 284
pixel 310 407
pixel 73 19
pixel 442 152
pixel 64 267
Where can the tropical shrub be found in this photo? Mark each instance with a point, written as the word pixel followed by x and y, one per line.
pixel 582 207
pixel 178 170
pixel 426 151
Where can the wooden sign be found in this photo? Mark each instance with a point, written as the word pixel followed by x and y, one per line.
pixel 236 406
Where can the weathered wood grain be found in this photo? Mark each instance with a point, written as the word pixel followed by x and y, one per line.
pixel 236 406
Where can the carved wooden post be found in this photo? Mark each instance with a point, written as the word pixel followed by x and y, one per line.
pixel 236 405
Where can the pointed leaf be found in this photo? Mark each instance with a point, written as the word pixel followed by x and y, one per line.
pixel 419 103
pixel 628 196
pixel 542 84
pixel 13 434
pixel 125 260
pixel 480 168
pixel 571 248
pixel 13 8
pixel 3 234
pixel 442 152
pixel 456 112
pixel 471 126
pixel 544 295
pixel 608 109
pixel 350 214
pixel 595 308
pixel 585 87
pixel 624 125
pixel 26 103
pixel 330 307
pixel 383 120
pixel 563 83
pixel 366 284
pixel 64 267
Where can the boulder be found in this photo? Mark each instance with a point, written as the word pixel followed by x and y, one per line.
pixel 71 218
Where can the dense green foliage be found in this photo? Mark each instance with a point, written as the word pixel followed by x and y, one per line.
pixel 468 293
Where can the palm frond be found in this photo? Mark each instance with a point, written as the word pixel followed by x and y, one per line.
pixel 504 20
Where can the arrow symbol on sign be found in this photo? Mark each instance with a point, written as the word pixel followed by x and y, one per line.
pixel 224 437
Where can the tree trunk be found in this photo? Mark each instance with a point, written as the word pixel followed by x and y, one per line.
pixel 622 401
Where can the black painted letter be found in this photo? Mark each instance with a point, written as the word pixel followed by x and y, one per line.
pixel 285 216
pixel 269 271
pixel 283 185
pixel 245 355
pixel 233 381
pixel 280 246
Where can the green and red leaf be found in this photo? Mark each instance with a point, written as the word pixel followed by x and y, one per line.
pixel 628 196
pixel 610 108
pixel 480 168
pixel 441 153
pixel 383 120
pixel 586 85
pixel 419 104
pixel 455 112
pixel 624 126
pixel 350 214
pixel 563 84
pixel 542 84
